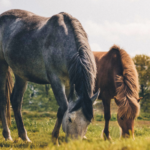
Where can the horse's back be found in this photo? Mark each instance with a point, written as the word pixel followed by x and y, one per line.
pixel 22 14
pixel 98 56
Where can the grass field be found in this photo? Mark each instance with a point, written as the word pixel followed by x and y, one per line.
pixel 40 126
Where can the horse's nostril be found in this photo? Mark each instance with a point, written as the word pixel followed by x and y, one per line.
pixel 70 120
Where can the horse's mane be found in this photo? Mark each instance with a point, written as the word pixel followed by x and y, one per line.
pixel 82 68
pixel 127 87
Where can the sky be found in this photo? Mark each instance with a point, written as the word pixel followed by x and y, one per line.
pixel 125 23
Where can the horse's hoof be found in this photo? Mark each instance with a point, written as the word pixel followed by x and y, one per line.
pixel 28 140
pixel 25 138
pixel 55 141
pixel 85 137
pixel 9 139
pixel 108 138
pixel 105 137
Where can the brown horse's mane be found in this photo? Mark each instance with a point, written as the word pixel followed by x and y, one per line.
pixel 128 87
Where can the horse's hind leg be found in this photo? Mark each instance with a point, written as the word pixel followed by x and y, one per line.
pixel 107 116
pixel 16 101
pixel 3 102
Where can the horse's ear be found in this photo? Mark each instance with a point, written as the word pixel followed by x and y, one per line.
pixel 73 94
pixel 72 117
pixel 139 99
pixel 95 96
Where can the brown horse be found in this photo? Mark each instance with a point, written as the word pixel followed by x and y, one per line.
pixel 117 78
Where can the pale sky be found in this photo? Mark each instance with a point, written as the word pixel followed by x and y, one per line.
pixel 122 22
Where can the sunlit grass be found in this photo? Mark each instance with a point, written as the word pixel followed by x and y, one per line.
pixel 40 125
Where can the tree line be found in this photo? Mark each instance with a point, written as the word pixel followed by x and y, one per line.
pixel 142 63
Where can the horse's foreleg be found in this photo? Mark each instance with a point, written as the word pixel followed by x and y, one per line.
pixel 16 101
pixel 3 101
pixel 107 116
pixel 55 133
pixel 59 92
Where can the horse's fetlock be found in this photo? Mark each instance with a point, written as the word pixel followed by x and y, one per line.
pixel 23 136
pixel 106 132
pixel 55 134
pixel 22 133
pixel 6 134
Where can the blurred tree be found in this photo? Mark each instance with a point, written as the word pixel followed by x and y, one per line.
pixel 142 63
pixel 39 98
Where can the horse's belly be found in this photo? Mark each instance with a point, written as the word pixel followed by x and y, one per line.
pixel 29 69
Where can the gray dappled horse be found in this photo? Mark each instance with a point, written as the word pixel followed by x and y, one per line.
pixel 46 50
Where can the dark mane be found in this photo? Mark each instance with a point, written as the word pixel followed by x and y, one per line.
pixel 82 68
pixel 127 86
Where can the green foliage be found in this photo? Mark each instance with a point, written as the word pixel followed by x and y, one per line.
pixel 39 98
pixel 100 117
pixel 142 63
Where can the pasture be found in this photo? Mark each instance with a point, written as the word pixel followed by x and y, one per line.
pixel 39 126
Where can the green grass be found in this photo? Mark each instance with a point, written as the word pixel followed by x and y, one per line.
pixel 40 125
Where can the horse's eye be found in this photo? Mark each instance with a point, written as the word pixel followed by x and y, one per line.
pixel 70 119
pixel 121 118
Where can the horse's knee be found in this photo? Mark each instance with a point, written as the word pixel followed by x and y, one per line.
pixel 16 105
pixel 61 112
pixel 107 116
pixel 15 101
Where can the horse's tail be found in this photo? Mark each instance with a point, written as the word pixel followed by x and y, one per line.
pixel 127 86
pixel 8 91
pixel 81 67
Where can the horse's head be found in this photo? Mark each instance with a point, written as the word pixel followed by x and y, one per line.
pixel 74 123
pixel 127 124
